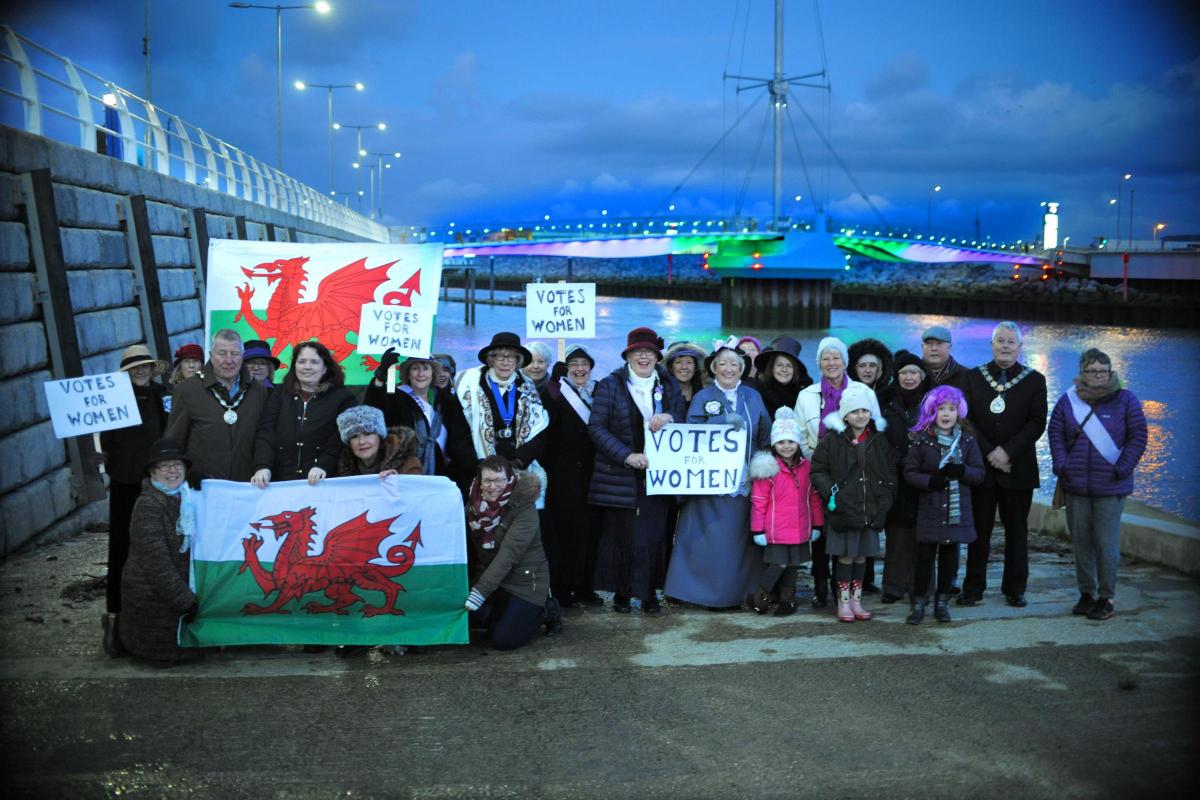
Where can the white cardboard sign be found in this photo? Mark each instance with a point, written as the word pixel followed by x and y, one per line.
pixel 92 404
pixel 562 310
pixel 409 330
pixel 695 459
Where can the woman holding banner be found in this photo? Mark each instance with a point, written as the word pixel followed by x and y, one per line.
pixel 715 562
pixel 633 525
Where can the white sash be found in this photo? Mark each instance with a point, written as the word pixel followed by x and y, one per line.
pixel 574 400
pixel 1094 429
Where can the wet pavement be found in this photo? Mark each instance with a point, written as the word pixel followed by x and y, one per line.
pixel 1002 702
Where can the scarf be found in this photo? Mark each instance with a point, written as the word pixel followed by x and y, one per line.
pixel 431 434
pixel 831 398
pixel 579 398
pixel 185 526
pixel 950 452
pixel 483 516
pixel 531 418
pixel 643 391
pixel 1094 396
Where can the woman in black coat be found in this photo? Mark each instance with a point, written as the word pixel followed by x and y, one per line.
pixel 297 432
pixel 781 376
pixel 901 407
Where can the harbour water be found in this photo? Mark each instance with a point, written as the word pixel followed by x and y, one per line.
pixel 1159 366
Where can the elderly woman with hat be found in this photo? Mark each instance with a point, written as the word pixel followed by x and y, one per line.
pixel 125 452
pixel 813 404
pixel 374 449
pixel 432 413
pixel 715 562
pixel 189 359
pixel 781 375
pixel 297 433
pixel 570 533
pixel 684 361
pixel 638 394
pixel 260 362
pixel 155 577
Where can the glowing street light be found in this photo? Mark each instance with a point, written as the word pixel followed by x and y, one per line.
pixel 1158 226
pixel 381 167
pixel 357 85
pixel 321 7
pixel 929 208
pixel 1121 188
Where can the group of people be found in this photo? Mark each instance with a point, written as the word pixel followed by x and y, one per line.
pixel 551 462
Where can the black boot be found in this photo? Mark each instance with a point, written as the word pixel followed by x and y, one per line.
pixel 941 607
pixel 553 620
pixel 917 613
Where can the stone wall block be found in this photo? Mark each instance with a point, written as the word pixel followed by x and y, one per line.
pixel 172 251
pixel 182 315
pixel 85 208
pixel 176 284
pixel 28 454
pixel 18 293
pixel 83 247
pixel 23 348
pixel 191 336
pixel 164 219
pixel 14 247
pixel 35 507
pixel 8 184
pixel 23 401
pixel 95 289
pixel 108 330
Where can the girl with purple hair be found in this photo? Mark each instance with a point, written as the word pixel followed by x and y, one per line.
pixel 943 457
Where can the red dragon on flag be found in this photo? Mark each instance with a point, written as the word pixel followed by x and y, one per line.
pixel 347 561
pixel 331 316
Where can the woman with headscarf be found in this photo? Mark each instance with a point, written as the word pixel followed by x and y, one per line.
pixel 445 378
pixel 538 368
pixel 570 534
pixel 715 562
pixel 683 361
pixel 125 451
pixel 813 404
pixel 781 376
pixel 155 580
pixel 1097 437
pixel 638 394
pixel 901 406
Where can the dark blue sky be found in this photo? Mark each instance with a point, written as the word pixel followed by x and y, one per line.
pixel 510 111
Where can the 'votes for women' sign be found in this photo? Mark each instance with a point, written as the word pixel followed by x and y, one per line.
pixel 92 404
pixel 695 459
pixel 566 310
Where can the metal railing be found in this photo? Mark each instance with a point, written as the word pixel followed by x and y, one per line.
pixel 60 100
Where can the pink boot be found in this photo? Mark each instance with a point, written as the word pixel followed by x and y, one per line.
pixel 856 606
pixel 844 612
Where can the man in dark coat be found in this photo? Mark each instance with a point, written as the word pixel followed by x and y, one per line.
pixel 935 352
pixel 214 414
pixel 1006 402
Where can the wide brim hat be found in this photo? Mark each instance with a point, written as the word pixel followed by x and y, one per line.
pixel 506 339
pixel 781 346
pixel 679 349
pixel 189 350
pixel 578 349
pixel 747 362
pixel 137 355
pixel 643 338
pixel 257 348
pixel 405 366
pixel 166 450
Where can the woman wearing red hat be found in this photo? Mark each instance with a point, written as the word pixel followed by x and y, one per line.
pixel 639 393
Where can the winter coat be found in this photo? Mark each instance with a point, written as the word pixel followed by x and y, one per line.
pixel 128 448
pixel 295 436
pixel 1015 430
pixel 1077 462
pixel 783 503
pixel 776 395
pixel 865 475
pixel 517 564
pixel 569 459
pixel 217 449
pixel 399 453
pixel 900 419
pixel 616 428
pixel 953 374
pixel 808 412
pixel 921 464
pixel 457 460
pixel 154 583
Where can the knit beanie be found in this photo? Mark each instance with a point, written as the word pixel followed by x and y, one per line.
pixel 906 359
pixel 785 427
pixel 834 343
pixel 360 419
pixel 854 397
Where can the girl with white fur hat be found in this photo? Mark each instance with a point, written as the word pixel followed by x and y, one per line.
pixel 854 469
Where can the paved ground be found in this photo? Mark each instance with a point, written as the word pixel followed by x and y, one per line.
pixel 1001 703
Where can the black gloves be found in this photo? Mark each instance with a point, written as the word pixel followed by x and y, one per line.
pixel 953 470
pixel 190 615
pixel 388 360
pixel 193 478
pixel 937 481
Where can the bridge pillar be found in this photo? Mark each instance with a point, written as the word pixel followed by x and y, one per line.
pixel 776 303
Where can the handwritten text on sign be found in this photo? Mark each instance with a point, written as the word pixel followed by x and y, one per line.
pixel 695 459
pixel 409 330
pixel 92 404
pixel 567 310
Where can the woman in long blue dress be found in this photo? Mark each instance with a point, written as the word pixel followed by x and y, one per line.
pixel 715 563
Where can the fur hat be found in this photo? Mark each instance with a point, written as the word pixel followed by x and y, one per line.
pixel 785 426
pixel 360 419
pixel 834 343
pixel 854 397
pixel 871 347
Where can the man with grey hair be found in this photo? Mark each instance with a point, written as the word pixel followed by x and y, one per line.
pixel 1006 403
pixel 214 414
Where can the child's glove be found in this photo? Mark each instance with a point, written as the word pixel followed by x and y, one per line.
pixel 937 481
pixel 816 534
pixel 760 539
pixel 953 471
pixel 474 600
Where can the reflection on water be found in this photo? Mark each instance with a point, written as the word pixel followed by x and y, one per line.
pixel 1157 365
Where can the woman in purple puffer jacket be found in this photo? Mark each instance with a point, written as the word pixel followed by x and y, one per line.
pixel 1097 437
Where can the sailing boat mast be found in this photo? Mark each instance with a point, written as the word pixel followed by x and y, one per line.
pixel 778 88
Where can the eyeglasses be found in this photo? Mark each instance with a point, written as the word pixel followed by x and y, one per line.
pixel 493 481
pixel 1096 373
pixel 505 356
pixel 170 466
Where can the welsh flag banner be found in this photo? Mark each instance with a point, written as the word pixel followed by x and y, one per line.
pixel 286 293
pixel 349 561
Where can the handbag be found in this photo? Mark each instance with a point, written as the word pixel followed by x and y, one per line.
pixel 1060 494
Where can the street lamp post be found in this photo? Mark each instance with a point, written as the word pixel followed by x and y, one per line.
pixel 358 149
pixel 1121 188
pixel 370 176
pixel 329 125
pixel 382 166
pixel 929 209
pixel 321 7
pixel 1158 226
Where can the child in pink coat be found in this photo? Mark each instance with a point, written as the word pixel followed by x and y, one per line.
pixel 784 509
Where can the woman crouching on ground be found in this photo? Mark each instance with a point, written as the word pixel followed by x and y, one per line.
pixel 510 590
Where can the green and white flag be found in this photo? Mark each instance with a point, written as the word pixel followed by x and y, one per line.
pixel 358 560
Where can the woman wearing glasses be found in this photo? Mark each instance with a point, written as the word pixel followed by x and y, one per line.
pixel 1097 437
